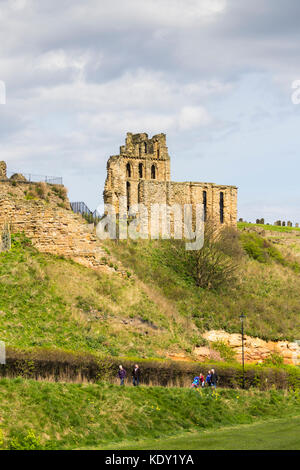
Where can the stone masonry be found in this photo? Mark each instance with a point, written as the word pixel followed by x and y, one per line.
pixel 141 174
pixel 50 224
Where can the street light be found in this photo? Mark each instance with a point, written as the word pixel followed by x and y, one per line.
pixel 242 317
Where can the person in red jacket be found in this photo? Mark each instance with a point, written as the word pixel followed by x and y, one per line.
pixel 202 380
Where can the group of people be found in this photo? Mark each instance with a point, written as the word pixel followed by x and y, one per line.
pixel 199 381
pixel 210 380
pixel 136 374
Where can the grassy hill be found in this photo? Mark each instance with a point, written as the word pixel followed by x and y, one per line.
pixel 49 301
pixel 267 288
pixel 68 416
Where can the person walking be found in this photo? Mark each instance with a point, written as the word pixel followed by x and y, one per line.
pixel 136 374
pixel 121 374
pixel 213 378
pixel 208 378
pixel 202 380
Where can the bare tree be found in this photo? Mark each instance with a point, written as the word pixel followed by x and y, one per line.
pixel 217 262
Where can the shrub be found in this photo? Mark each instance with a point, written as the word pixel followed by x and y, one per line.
pixel 42 190
pixel 59 364
pixel 28 441
pixel 274 359
pixel 211 267
pixel 225 351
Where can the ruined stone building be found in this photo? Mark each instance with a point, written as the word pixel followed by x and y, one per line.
pixel 141 173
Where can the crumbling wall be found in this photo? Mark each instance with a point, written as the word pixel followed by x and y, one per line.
pixel 48 223
pixel 124 178
pixel 2 170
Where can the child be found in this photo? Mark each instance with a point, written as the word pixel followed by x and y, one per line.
pixel 202 380
pixel 196 382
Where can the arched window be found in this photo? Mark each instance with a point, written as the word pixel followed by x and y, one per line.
pixel 153 172
pixel 157 153
pixel 222 208
pixel 128 194
pixel 141 170
pixel 205 205
pixel 128 170
pixel 145 147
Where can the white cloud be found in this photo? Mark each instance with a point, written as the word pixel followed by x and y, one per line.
pixel 80 74
pixel 193 116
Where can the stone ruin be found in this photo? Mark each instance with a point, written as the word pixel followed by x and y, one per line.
pixel 141 174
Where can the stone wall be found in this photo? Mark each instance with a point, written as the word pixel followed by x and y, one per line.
pixel 2 170
pixel 130 175
pixel 192 193
pixel 52 229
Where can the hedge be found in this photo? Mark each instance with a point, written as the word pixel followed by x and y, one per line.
pixel 60 365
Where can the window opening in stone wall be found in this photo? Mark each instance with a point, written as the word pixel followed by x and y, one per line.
pixel 141 170
pixel 221 208
pixel 128 194
pixel 128 170
pixel 205 205
pixel 153 172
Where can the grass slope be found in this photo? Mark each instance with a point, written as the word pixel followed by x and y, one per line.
pixel 273 228
pixel 67 416
pixel 268 290
pixel 280 434
pixel 51 302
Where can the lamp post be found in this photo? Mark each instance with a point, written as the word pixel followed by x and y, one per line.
pixel 242 317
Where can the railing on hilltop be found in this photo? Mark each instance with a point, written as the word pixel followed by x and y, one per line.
pixel 31 178
pixel 82 208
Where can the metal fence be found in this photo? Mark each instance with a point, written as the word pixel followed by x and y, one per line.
pixel 31 178
pixel 82 208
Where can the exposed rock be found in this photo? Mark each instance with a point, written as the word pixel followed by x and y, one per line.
pixel 256 349
pixel 17 177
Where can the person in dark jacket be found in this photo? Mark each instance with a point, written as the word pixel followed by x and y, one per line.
pixel 213 378
pixel 136 374
pixel 208 378
pixel 122 375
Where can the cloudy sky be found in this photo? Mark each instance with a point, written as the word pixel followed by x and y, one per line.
pixel 214 75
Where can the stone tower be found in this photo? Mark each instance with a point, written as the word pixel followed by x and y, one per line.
pixel 141 173
pixel 140 159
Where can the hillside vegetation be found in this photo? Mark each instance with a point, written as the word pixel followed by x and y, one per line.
pixel 52 302
pixel 48 301
pixel 266 287
pixel 68 416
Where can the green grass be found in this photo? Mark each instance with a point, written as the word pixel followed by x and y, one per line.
pixel 280 434
pixel 68 416
pixel 268 292
pixel 273 228
pixel 52 302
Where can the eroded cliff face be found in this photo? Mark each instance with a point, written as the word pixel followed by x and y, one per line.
pixel 256 350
